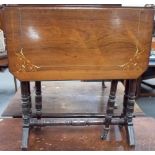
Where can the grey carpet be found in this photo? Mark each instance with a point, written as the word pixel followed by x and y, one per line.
pixel 7 91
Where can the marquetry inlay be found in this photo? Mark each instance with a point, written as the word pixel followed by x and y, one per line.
pixel 24 64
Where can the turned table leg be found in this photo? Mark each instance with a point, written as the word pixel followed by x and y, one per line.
pixel 129 112
pixel 125 99
pixel 15 82
pixel 38 99
pixel 103 84
pixel 26 113
pixel 30 101
pixel 110 108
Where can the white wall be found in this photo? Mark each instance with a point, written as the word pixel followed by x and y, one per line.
pixel 123 2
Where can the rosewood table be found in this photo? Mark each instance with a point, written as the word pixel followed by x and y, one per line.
pixel 70 42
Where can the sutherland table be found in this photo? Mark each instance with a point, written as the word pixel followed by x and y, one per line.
pixel 66 42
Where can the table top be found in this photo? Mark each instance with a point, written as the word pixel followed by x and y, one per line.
pixel 77 43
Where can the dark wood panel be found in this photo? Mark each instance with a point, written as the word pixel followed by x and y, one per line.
pixel 72 43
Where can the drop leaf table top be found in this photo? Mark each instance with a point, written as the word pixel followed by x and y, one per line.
pixel 77 42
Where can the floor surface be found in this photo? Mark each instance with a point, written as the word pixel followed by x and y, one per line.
pixel 77 138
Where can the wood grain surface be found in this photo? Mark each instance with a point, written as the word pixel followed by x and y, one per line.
pixel 77 43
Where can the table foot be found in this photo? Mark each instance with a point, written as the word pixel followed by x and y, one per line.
pixel 105 133
pixel 25 139
pixel 131 135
